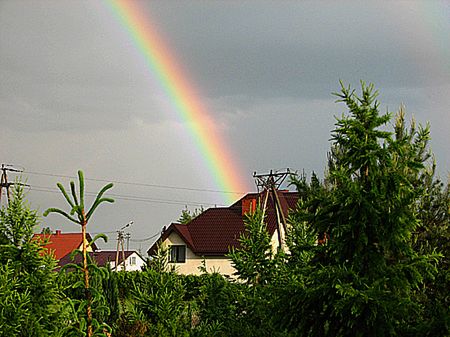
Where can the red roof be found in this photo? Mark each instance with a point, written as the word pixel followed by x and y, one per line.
pixel 215 230
pixel 62 244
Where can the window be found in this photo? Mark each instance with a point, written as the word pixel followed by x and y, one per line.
pixel 177 254
pixel 133 260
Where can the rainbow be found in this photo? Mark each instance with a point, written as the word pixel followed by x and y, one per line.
pixel 160 61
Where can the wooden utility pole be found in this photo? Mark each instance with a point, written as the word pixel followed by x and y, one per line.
pixel 121 245
pixel 119 241
pixel 4 183
pixel 269 184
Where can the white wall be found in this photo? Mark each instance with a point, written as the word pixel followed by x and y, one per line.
pixel 129 266
pixel 220 264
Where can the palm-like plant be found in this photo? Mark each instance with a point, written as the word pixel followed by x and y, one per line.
pixel 78 215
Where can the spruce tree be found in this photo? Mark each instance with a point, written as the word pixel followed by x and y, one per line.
pixel 361 280
pixel 30 302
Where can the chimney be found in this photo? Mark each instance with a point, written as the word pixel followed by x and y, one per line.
pixel 58 232
pixel 248 205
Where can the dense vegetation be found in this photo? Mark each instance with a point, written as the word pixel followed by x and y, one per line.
pixel 369 255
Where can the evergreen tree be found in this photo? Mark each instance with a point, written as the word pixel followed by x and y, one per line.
pixel 255 261
pixel 186 215
pixel 29 300
pixel 76 202
pixel 260 267
pixel 433 235
pixel 360 281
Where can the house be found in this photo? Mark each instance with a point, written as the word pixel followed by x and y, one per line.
pixel 133 260
pixel 61 244
pixel 208 238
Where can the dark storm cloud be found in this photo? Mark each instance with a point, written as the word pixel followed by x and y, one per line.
pixel 68 64
pixel 62 69
pixel 300 50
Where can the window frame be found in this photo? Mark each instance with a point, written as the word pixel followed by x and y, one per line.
pixel 177 254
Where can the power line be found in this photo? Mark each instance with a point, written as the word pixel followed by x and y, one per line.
pixel 134 198
pixel 146 239
pixel 131 240
pixel 110 232
pixel 135 183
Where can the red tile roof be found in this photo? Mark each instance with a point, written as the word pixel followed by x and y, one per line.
pixel 62 244
pixel 215 230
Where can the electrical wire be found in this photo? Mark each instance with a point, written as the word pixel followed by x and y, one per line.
pixel 131 240
pixel 146 239
pixel 135 183
pixel 135 198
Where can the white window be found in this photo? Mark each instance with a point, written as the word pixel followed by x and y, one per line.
pixel 133 260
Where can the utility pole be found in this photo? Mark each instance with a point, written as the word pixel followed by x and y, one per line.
pixel 269 184
pixel 121 245
pixel 4 184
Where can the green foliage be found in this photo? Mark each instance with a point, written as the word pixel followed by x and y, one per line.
pixel 263 271
pixel 103 290
pixel 362 280
pixel 433 235
pixel 169 304
pixel 77 202
pixel 14 301
pixel 255 260
pixel 110 291
pixel 302 237
pixel 77 207
pixel 160 298
pixel 29 302
pixel 368 255
pixel 186 215
pixel 46 231
pixel 159 262
pixel 72 286
pixel 17 221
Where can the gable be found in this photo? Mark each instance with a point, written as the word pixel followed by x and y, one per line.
pixel 62 244
pixel 216 230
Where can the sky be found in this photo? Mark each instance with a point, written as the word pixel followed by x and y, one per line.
pixel 76 92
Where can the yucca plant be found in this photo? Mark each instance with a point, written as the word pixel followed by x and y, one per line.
pixel 78 215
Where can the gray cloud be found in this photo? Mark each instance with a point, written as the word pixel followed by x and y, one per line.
pixel 297 49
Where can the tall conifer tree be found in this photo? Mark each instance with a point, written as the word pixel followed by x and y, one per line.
pixel 361 279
